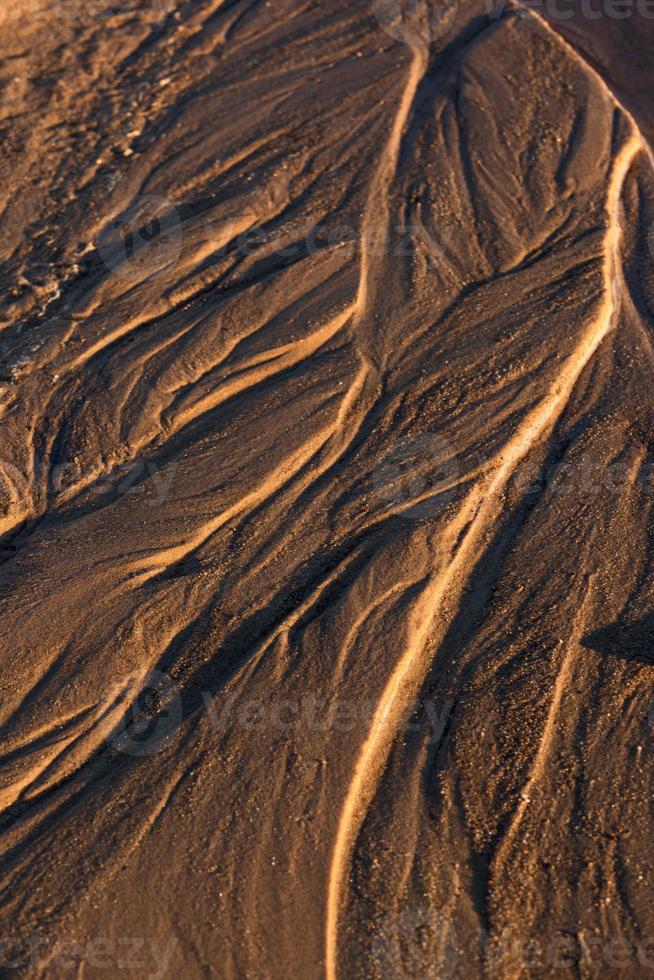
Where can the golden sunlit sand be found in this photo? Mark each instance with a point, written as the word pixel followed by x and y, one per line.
pixel 326 482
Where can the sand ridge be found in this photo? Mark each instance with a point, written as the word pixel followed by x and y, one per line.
pixel 324 469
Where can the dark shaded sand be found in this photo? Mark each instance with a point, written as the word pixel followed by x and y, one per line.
pixel 326 472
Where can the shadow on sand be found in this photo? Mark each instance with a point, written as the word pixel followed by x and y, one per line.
pixel 633 641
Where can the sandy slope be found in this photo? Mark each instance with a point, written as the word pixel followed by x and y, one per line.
pixel 326 470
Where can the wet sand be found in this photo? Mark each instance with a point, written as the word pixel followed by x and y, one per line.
pixel 326 480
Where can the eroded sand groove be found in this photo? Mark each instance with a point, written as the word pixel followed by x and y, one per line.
pixel 273 441
pixel 467 533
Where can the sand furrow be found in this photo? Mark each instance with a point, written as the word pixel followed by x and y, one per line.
pixel 326 392
pixel 467 534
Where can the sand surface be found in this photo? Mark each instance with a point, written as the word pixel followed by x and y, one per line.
pixel 326 485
